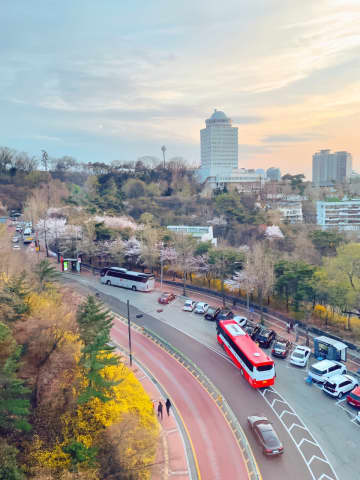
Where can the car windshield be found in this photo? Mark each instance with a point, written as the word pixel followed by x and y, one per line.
pixel 316 370
pixel 270 438
pixel 211 310
pixel 188 303
pixel 280 346
pixel 263 336
pixel 298 355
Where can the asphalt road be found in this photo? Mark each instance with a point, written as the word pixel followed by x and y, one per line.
pixel 292 406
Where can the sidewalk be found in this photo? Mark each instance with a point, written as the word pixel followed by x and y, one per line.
pixel 171 460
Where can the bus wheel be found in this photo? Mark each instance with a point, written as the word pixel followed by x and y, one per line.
pixel 133 288
pixel 108 282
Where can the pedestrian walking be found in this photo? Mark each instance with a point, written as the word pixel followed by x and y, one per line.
pixel 296 331
pixel 288 327
pixel 160 410
pixel 168 405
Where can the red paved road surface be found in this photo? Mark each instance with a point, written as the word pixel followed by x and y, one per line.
pixel 217 451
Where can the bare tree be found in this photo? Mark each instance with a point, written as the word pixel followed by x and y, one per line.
pixel 185 247
pixel 261 266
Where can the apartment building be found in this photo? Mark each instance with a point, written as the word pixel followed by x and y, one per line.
pixel 343 215
pixel 331 168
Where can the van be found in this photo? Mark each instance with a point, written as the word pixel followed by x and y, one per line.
pixel 325 369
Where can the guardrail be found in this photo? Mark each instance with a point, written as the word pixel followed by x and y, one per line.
pixel 249 459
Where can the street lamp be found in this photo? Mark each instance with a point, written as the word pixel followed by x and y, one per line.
pixel 163 149
pixel 129 331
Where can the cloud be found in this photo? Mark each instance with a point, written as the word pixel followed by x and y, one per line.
pixel 246 119
pixel 284 138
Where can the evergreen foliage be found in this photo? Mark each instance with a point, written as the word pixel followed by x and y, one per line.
pixel 93 320
pixel 45 274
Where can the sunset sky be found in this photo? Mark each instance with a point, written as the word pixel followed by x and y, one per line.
pixel 117 79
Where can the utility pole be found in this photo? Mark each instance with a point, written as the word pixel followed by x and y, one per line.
pixel 45 159
pixel 129 330
pixel 163 149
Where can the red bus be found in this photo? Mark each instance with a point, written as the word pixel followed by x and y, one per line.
pixel 255 365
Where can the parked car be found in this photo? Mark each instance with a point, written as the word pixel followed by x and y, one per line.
pixel 340 385
pixel 252 329
pixel 224 314
pixel 16 247
pixel 358 417
pixel 212 312
pixel 167 297
pixel 265 337
pixel 281 348
pixel 15 240
pixel 266 435
pixel 300 356
pixel 325 369
pixel 201 307
pixel 241 321
pixel 354 397
pixel 189 305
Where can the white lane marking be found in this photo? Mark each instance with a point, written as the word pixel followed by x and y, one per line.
pixel 297 425
pixel 288 412
pixel 306 440
pixel 325 460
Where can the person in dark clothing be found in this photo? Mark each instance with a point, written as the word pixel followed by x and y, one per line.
pixel 160 410
pixel 168 405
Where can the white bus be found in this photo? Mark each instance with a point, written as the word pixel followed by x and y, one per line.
pixel 120 277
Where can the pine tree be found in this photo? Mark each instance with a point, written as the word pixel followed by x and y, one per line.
pixel 45 274
pixel 92 320
pixel 14 402
pixel 95 357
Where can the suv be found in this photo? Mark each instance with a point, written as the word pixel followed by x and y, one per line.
pixel 339 385
pixel 211 313
pixel 281 348
pixel 322 371
pixel 354 397
pixel 265 337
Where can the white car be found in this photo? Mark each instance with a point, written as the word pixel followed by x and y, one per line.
pixel 339 385
pixel 300 356
pixel 201 307
pixel 16 247
pixel 358 417
pixel 15 239
pixel 189 306
pixel 241 321
pixel 325 369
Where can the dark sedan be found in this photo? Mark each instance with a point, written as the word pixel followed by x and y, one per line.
pixel 252 329
pixel 224 314
pixel 211 313
pixel 281 348
pixel 265 337
pixel 265 435
pixel 167 297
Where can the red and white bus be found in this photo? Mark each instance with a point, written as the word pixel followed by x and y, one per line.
pixel 255 365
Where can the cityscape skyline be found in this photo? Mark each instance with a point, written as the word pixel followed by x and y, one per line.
pixel 118 82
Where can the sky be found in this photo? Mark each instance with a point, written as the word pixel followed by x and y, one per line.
pixel 117 79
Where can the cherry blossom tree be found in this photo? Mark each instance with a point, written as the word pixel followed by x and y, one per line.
pixel 117 223
pixel 132 250
pixel 274 233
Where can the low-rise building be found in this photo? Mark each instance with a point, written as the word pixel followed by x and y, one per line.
pixel 204 234
pixel 291 212
pixel 242 180
pixel 341 214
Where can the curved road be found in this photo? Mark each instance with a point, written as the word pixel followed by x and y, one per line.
pixel 204 420
pixel 242 398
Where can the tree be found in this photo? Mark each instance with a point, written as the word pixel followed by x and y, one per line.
pixel 45 274
pixel 134 188
pixel 14 303
pixel 14 396
pixel 260 263
pixel 184 246
pixel 92 320
pixel 9 469
pixel 150 251
pixel 294 279
pixel 326 242
pixel 296 181
pixel 224 262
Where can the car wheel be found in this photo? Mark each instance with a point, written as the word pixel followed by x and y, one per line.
pixel 340 395
pixel 108 282
pixel 133 288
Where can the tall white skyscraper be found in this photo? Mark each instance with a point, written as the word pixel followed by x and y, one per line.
pixel 219 146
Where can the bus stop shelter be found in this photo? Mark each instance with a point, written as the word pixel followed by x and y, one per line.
pixel 325 347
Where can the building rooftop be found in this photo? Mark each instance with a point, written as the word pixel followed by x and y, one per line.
pixel 218 115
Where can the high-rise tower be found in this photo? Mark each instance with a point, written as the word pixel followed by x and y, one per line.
pixel 219 146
